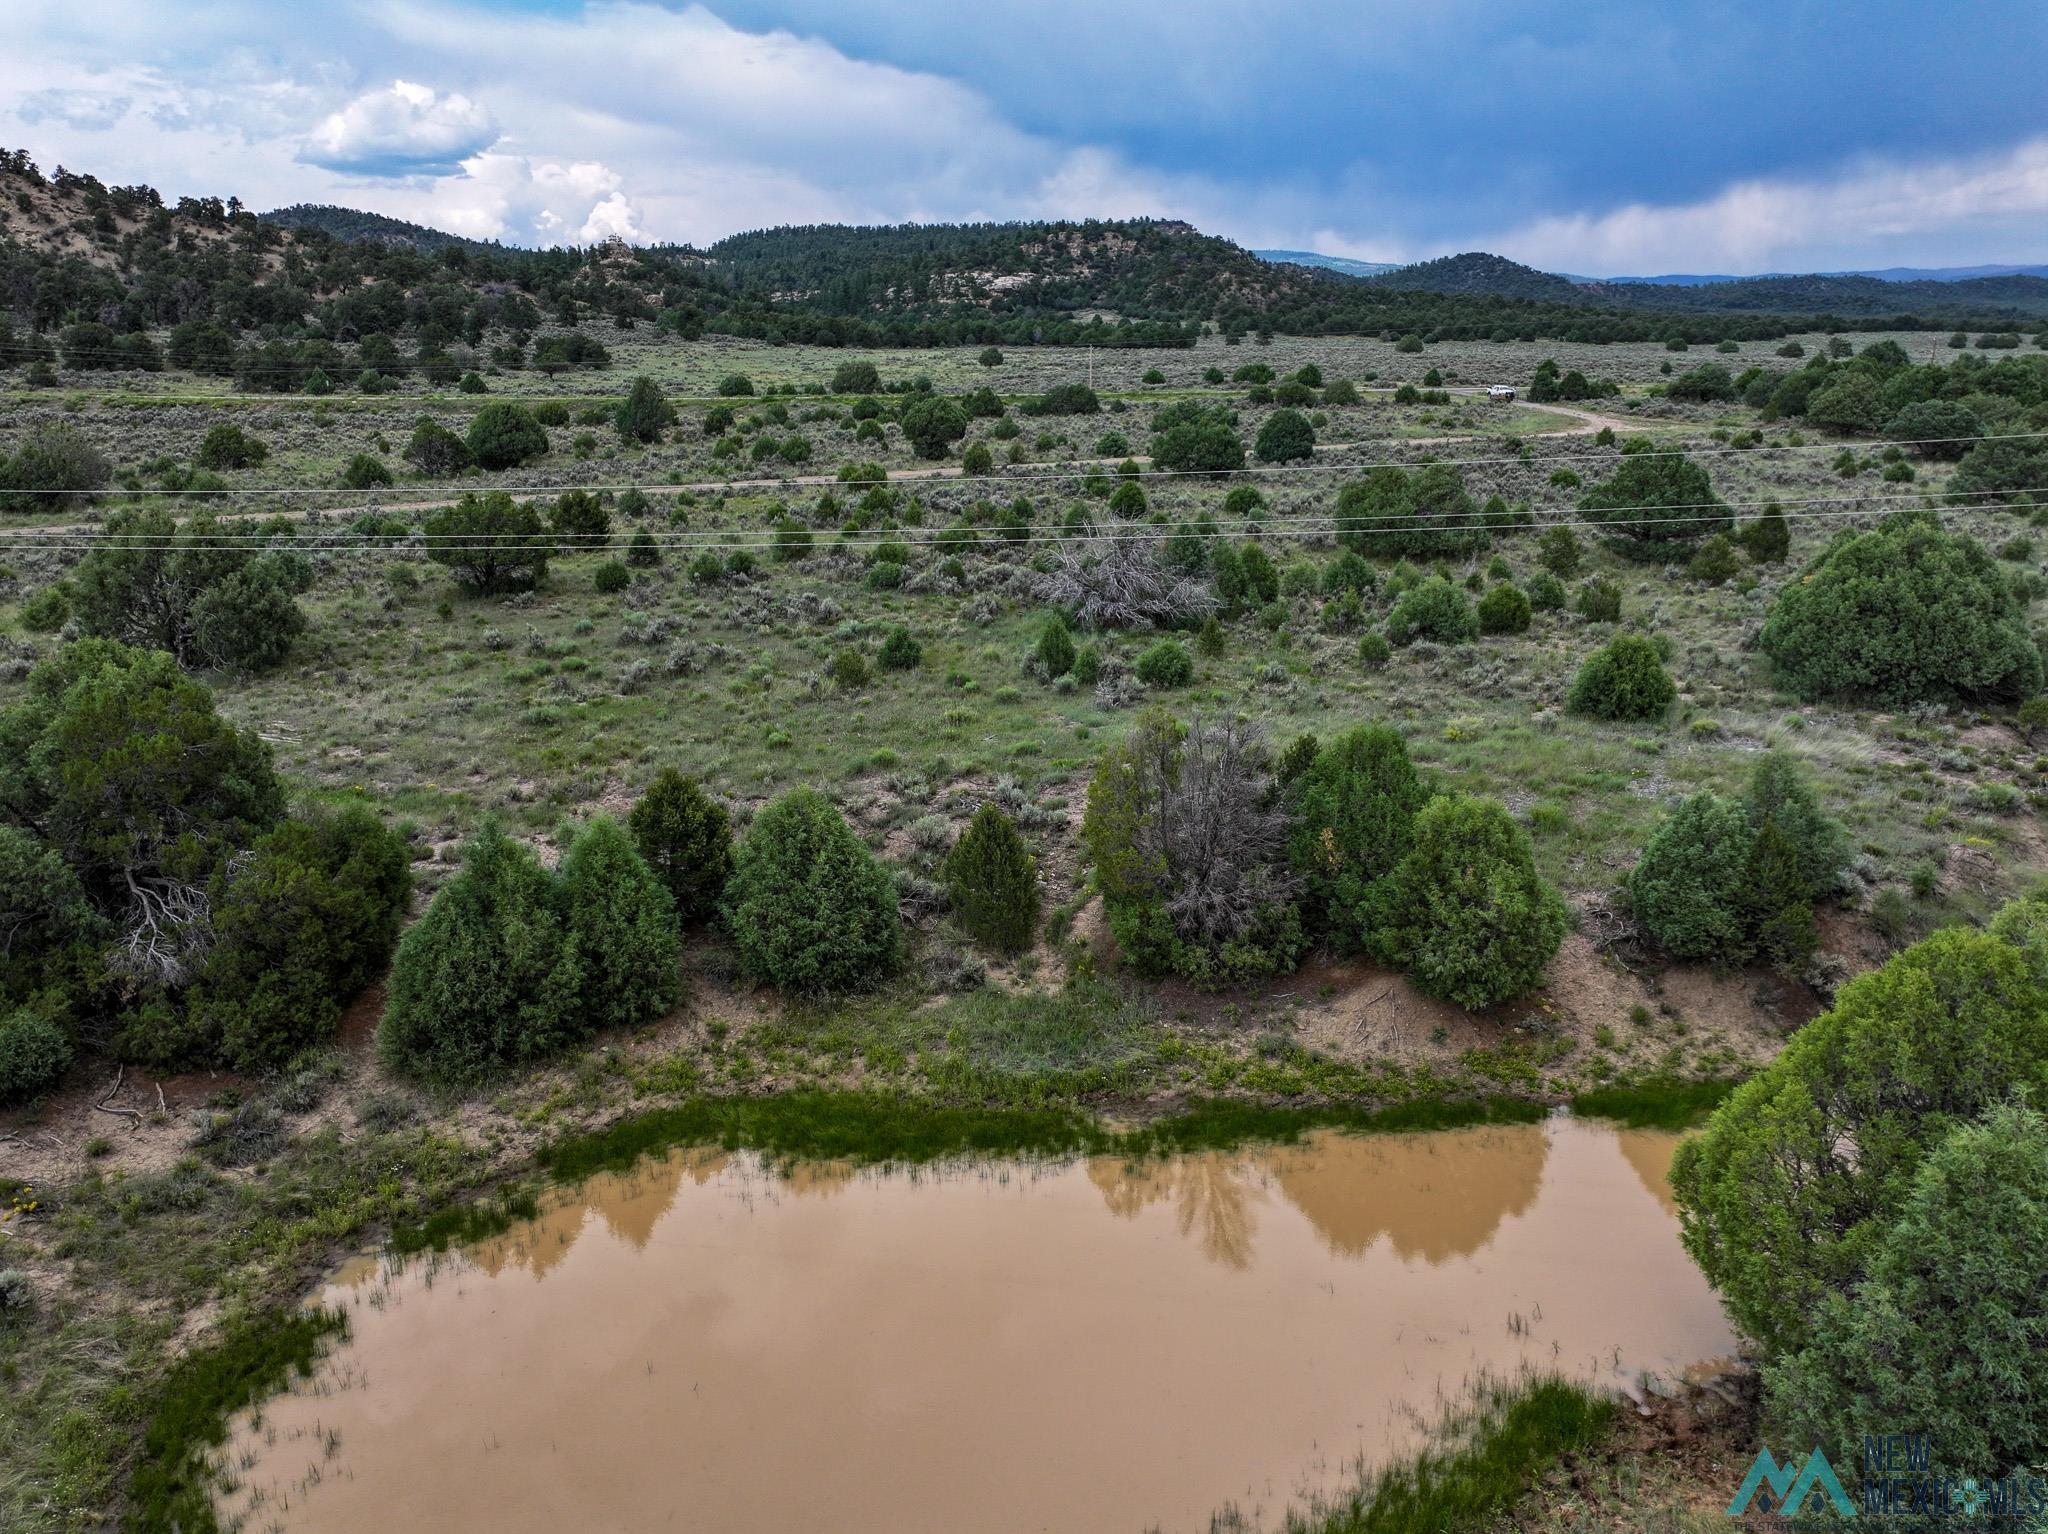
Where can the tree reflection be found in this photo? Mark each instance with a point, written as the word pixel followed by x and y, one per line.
pixel 1433 1197
pixel 1212 1192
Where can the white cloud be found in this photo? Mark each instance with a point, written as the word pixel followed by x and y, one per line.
pixel 402 130
pixel 1872 214
pixel 666 122
pixel 521 199
pixel 92 110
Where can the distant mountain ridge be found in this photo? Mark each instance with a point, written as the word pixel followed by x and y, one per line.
pixel 73 248
pixel 1344 264
pixel 1768 291
pixel 1882 274
pixel 1163 269
pixel 355 224
pixel 1481 272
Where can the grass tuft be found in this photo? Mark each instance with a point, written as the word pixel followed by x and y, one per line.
pixel 463 1224
pixel 1493 1453
pixel 872 1128
pixel 1654 1103
pixel 172 1488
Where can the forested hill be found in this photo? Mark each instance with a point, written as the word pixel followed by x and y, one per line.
pixel 1477 272
pixel 75 251
pixel 354 224
pixel 1153 269
pixel 1984 297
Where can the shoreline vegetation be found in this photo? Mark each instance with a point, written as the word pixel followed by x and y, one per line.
pixel 1486 1451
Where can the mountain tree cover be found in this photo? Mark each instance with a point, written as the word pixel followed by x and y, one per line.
pixel 153 888
pixel 811 909
pixel 1903 613
pixel 310 276
pixel 1656 504
pixel 512 963
pixel 1727 881
pixel 1881 1168
pixel 187 589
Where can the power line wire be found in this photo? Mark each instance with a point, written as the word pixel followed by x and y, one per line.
pixel 1064 469
pixel 1713 510
pixel 951 539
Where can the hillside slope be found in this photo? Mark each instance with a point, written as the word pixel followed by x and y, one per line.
pixel 1343 264
pixel 355 224
pixel 73 249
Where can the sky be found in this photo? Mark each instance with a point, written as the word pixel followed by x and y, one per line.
pixel 1603 137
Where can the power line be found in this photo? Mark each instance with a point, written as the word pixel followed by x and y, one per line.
pixel 1714 510
pixel 1064 469
pixel 951 539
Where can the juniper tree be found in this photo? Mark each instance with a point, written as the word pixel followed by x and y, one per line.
pixel 992 880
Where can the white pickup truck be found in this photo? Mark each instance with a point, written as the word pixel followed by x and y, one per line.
pixel 1500 392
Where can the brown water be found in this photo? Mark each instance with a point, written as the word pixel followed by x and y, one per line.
pixel 704 1344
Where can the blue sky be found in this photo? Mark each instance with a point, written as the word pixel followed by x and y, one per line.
pixel 1598 137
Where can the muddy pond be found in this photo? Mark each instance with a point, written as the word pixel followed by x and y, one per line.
pixel 708 1343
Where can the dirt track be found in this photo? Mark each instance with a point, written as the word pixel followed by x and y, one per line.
pixel 1589 422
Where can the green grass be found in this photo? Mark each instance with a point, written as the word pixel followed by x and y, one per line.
pixel 1654 1103
pixel 1493 1453
pixel 1219 1123
pixel 872 1128
pixel 171 1491
pixel 863 1127
pixel 463 1223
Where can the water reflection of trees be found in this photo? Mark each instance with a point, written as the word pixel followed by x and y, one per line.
pixel 629 1204
pixel 1432 1197
pixel 1648 1152
pixel 1212 1193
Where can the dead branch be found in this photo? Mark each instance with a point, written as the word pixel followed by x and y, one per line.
pixel 133 1115
pixel 1216 832
pixel 1119 583
pixel 166 934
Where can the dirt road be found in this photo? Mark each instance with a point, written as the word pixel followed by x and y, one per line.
pixel 1588 422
